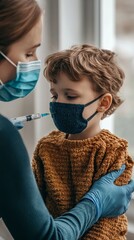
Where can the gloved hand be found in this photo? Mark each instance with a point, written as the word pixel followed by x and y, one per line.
pixel 18 125
pixel 110 200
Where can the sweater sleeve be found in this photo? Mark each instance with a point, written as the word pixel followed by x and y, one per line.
pixel 21 205
pixel 116 154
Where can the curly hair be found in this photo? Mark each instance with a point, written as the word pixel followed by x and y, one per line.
pixel 98 65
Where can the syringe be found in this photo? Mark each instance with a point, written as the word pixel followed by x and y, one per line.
pixel 27 118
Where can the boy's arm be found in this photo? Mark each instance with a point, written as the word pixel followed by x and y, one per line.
pixel 129 163
pixel 116 155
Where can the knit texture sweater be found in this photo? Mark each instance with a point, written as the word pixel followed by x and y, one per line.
pixel 66 169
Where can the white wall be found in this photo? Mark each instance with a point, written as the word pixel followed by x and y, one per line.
pixel 107 40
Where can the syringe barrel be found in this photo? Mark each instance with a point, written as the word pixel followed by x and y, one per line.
pixel 18 119
pixel 25 118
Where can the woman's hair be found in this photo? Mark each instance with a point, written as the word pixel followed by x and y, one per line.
pixel 17 17
pixel 98 65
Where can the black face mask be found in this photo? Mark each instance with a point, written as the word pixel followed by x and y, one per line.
pixel 68 117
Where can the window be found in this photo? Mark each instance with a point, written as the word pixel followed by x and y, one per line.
pixel 124 46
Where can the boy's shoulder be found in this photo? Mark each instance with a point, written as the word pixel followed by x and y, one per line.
pixel 112 139
pixel 53 137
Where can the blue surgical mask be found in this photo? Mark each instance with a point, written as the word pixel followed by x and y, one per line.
pixel 27 75
pixel 68 117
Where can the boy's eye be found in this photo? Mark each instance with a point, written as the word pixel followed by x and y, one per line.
pixel 54 98
pixel 71 97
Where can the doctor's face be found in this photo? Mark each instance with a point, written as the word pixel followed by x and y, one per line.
pixel 24 50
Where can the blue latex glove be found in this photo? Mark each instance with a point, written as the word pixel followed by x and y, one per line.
pixel 110 200
pixel 18 125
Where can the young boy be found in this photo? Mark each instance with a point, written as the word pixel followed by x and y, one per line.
pixel 84 83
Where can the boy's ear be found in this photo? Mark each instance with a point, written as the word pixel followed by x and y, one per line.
pixel 105 103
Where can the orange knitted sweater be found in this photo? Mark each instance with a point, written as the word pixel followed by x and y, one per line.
pixel 65 170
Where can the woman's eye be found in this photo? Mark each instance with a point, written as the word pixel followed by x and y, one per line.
pixel 29 54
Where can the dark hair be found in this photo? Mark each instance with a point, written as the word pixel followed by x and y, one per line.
pixel 98 65
pixel 17 17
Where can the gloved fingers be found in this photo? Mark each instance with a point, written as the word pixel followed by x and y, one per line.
pixel 112 176
pixel 130 187
pixel 125 209
pixel 129 198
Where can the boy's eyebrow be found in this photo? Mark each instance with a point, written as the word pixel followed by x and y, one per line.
pixel 70 89
pixel 65 89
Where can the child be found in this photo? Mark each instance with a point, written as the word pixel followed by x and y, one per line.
pixel 84 82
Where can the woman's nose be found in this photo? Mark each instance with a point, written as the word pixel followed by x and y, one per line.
pixel 36 58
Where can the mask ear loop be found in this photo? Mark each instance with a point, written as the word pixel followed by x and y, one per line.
pixel 9 60
pixel 1 83
pixel 87 104
pixel 88 119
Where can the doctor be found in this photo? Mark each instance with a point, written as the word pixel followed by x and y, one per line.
pixel 21 205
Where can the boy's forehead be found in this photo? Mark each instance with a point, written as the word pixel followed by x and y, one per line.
pixel 65 83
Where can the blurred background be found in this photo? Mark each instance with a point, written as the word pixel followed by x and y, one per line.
pixel 104 23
